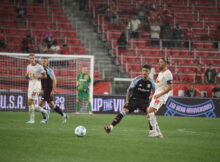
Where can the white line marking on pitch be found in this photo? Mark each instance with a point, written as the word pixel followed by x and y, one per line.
pixel 185 130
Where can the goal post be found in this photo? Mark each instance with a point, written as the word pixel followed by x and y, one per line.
pixel 13 85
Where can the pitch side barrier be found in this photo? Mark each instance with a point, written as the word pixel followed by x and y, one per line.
pixel 175 106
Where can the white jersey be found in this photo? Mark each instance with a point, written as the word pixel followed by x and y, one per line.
pixel 163 80
pixel 34 70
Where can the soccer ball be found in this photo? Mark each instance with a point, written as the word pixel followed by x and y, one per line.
pixel 80 131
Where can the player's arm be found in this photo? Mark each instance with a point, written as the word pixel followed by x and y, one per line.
pixel 152 90
pixel 52 76
pixel 42 76
pixel 27 75
pixel 168 88
pixel 77 82
pixel 131 88
pixel 128 95
pixel 54 82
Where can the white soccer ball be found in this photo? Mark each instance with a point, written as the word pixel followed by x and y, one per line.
pixel 80 131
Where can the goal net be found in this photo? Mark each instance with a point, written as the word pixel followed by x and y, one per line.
pixel 14 85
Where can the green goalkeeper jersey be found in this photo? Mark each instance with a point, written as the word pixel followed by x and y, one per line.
pixel 83 82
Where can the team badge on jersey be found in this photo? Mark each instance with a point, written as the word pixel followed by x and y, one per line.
pixel 157 101
pixel 148 85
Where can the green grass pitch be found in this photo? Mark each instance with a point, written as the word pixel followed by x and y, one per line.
pixel 186 139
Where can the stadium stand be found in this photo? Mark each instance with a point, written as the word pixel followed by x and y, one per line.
pixel 202 15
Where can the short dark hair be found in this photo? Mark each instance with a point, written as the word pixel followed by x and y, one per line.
pixel 146 66
pixel 165 60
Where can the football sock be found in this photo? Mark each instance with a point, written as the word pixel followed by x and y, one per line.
pixel 31 112
pixel 77 106
pixel 118 118
pixel 41 109
pixel 89 107
pixel 153 121
pixel 58 110
pixel 150 127
pixel 158 129
pixel 44 116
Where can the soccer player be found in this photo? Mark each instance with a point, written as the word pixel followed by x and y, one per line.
pixel 49 87
pixel 35 72
pixel 163 86
pixel 83 91
pixel 138 95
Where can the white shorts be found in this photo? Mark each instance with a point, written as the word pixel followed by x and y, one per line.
pixel 157 103
pixel 34 89
pixel 33 93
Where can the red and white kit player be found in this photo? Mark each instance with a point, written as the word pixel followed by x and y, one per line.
pixel 35 72
pixel 163 86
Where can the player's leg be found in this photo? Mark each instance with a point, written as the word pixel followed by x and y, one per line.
pixel 128 108
pixel 86 96
pixel 78 102
pixel 144 107
pixel 31 111
pixel 116 120
pixel 41 104
pixel 44 112
pixel 155 105
pixel 58 110
pixel 32 96
pixel 152 120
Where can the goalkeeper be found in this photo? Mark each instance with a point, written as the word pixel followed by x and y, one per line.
pixel 83 91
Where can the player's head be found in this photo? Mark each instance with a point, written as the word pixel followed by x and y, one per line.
pixel 84 69
pixel 163 62
pixel 146 70
pixel 44 61
pixel 32 59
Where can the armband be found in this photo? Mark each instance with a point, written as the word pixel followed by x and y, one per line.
pixel 170 82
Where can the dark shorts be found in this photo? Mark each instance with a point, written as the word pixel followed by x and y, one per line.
pixel 47 97
pixel 135 104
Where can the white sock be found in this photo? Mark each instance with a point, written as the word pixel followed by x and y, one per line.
pixel 31 112
pixel 153 121
pixel 158 129
pixel 111 126
pixel 41 109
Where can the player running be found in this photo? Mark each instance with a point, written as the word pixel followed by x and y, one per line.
pixel 49 87
pixel 138 95
pixel 163 87
pixel 35 72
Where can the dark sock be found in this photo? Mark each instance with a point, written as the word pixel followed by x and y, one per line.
pixel 117 119
pixel 150 127
pixel 58 110
pixel 44 116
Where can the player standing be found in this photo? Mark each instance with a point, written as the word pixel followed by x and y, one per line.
pixel 83 91
pixel 49 86
pixel 35 72
pixel 138 95
pixel 163 86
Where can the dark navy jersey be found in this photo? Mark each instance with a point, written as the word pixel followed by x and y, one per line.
pixel 47 84
pixel 141 89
